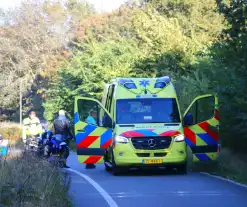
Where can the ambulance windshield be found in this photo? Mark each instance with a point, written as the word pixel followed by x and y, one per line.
pixel 150 110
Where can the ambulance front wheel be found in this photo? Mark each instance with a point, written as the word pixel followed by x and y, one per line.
pixel 182 169
pixel 116 170
pixel 107 168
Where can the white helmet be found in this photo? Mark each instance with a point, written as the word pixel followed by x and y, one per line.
pixel 61 113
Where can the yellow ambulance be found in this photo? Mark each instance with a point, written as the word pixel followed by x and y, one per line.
pixel 139 124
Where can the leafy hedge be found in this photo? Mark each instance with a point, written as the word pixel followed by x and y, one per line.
pixel 29 181
pixel 201 44
pixel 10 131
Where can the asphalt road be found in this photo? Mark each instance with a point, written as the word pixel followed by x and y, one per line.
pixel 154 189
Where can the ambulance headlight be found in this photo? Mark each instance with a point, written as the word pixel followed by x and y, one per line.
pixel 179 138
pixel 120 139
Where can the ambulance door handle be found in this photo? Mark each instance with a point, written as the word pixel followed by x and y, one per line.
pixel 81 130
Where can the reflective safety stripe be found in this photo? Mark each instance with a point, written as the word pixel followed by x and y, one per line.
pixel 92 160
pixel 90 151
pixel 149 133
pixel 107 144
pixel 91 141
pixel 190 136
pixel 203 157
pixel 105 139
pixel 203 139
pixel 197 157
pixel 87 141
pixel 170 133
pixel 204 149
pixel 206 127
pixel 207 139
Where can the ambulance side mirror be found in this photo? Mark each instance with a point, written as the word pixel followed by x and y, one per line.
pixel 107 121
pixel 188 120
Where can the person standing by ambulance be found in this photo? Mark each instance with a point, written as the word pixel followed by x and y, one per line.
pixel 91 119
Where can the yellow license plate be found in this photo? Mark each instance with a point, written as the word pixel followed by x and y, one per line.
pixel 152 161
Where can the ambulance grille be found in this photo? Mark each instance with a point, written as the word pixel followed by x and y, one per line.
pixel 143 154
pixel 151 143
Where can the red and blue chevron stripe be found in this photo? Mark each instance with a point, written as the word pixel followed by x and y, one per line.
pixel 148 133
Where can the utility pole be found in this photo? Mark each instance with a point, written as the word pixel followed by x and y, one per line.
pixel 21 103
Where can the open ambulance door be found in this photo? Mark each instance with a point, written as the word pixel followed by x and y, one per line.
pixel 92 139
pixel 201 128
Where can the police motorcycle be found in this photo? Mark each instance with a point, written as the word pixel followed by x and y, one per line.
pixel 56 149
pixel 34 142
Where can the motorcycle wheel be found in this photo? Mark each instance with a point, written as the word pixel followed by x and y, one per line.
pixel 65 153
pixel 62 157
pixel 47 152
pixel 60 161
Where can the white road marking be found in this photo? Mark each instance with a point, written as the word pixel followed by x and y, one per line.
pixel 102 192
pixel 227 180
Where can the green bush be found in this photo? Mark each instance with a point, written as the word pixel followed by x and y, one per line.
pixel 10 131
pixel 201 44
pixel 29 181
pixel 229 165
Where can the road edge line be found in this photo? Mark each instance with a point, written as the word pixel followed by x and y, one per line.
pixel 225 179
pixel 102 192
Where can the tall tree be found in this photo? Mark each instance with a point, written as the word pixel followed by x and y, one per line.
pixel 34 39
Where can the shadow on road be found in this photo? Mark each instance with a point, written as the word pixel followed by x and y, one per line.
pixel 149 172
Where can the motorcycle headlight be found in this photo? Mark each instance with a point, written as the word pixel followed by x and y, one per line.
pixel 179 138
pixel 120 139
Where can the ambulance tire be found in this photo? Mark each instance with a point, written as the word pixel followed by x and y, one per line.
pixel 107 168
pixel 182 169
pixel 116 170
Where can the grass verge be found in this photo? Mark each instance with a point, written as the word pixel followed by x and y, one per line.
pixel 229 165
pixel 30 181
pixel 232 166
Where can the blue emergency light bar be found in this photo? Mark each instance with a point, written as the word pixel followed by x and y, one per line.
pixel 159 85
pixel 127 83
pixel 162 82
pixel 130 85
pixel 125 80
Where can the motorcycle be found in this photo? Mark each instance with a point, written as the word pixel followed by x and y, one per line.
pixel 34 144
pixel 56 150
pixel 34 141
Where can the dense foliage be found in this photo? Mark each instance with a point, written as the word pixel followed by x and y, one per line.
pixel 201 44
pixel 33 40
pixel 136 40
